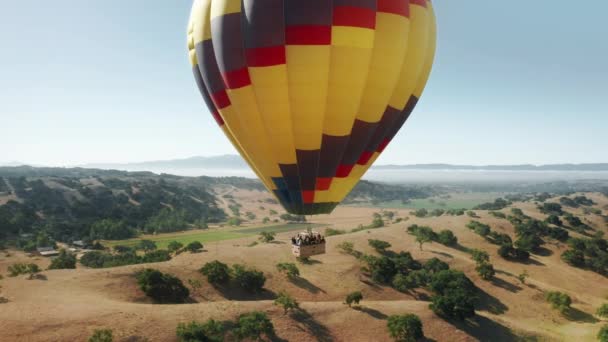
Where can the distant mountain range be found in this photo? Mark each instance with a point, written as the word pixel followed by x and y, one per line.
pixel 235 162
pixel 231 161
pixel 523 167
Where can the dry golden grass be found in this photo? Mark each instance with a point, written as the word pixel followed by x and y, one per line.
pixel 70 304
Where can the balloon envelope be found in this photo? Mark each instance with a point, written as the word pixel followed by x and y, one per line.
pixel 310 92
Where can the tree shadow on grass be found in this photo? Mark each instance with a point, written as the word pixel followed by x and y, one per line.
pixel 309 261
pixel 462 248
pixel 38 277
pixel 314 327
pixel 576 315
pixel 234 293
pixel 447 255
pixel 505 273
pixel 485 329
pixel 542 251
pixel 489 303
pixel 530 262
pixel 506 285
pixel 372 312
pixel 307 285
pixel 370 283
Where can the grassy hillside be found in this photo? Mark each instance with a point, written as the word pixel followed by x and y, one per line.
pixel 65 204
pixel 506 307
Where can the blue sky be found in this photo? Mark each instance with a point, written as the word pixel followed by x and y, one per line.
pixel 109 81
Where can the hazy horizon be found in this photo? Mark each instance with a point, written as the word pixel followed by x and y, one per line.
pixel 114 85
pixel 135 162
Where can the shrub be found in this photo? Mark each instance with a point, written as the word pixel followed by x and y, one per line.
pixel 419 278
pixel 551 208
pixel 194 247
pixel 210 331
pixel 156 256
pixel 480 256
pixel 405 328
pixel 64 260
pixel 102 335
pixel 120 249
pixel 146 245
pixel 602 335
pixel 234 221
pixel 217 272
pixel 401 283
pixel 287 302
pixel 250 280
pixel 523 276
pixel 437 212
pixel 559 234
pixel 346 247
pixel 19 268
pixel 574 221
pixel 377 221
pixel 602 311
pixel 499 238
pixel 253 325
pixel 94 259
pixel 498 204
pixel 353 298
pixel 162 287
pixel 574 258
pixel 289 268
pixel 559 300
pixel 435 265
pixel 446 237
pixel 332 232
pixel 554 219
pixel 485 271
pixel 379 245
pixel 479 228
pixel 174 246
pixel 528 243
pixel 472 214
pixel 498 214
pixel 267 237
pixel 420 212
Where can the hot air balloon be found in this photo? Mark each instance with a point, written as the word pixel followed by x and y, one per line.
pixel 310 92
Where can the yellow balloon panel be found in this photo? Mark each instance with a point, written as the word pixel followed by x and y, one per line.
pixel 311 92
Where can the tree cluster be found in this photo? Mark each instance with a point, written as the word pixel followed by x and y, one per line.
pixel 126 256
pixel 588 253
pixel 65 260
pixel 425 234
pixel 249 326
pixel 248 279
pixel 119 206
pixel 498 204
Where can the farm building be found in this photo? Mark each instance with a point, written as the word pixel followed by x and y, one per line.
pixel 47 251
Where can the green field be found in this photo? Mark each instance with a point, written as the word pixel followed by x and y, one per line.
pixel 162 240
pixel 454 201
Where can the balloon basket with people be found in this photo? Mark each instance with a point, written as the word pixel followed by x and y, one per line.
pixel 307 244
